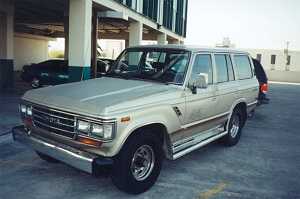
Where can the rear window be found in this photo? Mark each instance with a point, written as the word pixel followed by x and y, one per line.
pixel 243 66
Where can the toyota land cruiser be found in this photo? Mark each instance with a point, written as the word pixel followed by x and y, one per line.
pixel 156 102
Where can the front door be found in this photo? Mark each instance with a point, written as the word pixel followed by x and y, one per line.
pixel 200 107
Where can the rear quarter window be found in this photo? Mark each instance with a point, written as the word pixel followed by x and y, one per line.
pixel 243 66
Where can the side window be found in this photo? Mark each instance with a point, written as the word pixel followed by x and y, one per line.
pixel 243 66
pixel 203 64
pixel 222 72
pixel 230 68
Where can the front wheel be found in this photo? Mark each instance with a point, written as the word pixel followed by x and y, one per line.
pixel 35 83
pixel 234 128
pixel 138 165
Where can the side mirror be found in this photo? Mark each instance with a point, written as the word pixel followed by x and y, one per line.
pixel 201 81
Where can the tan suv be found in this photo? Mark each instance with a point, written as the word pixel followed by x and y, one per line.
pixel 156 102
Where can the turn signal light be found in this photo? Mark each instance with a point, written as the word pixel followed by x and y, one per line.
pixel 27 121
pixel 89 141
pixel 125 119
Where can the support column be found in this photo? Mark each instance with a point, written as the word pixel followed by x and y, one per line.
pixel 6 30
pixel 135 33
pixel 94 43
pixel 174 41
pixel 6 43
pixel 80 26
pixel 162 38
pixel 66 33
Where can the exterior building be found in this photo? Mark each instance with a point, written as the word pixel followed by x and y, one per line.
pixel 280 65
pixel 277 59
pixel 82 23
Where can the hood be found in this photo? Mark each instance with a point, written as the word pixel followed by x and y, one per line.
pixel 96 96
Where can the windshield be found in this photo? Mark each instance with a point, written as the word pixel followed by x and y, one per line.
pixel 167 66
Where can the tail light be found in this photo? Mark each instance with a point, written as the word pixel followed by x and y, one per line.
pixel 264 88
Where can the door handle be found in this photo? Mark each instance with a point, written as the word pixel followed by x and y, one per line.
pixel 214 99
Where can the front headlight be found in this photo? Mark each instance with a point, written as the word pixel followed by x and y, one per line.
pixel 23 108
pixel 29 111
pixel 83 126
pixel 99 131
pixel 108 131
pixel 104 131
pixel 26 111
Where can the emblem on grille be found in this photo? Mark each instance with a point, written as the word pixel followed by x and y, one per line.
pixel 52 120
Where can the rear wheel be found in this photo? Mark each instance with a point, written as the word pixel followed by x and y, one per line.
pixel 138 165
pixel 234 128
pixel 46 157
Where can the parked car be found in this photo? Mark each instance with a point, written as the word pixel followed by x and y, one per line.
pixel 55 71
pixel 156 102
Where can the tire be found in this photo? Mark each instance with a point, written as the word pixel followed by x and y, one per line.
pixel 46 157
pixel 136 152
pixel 235 127
pixel 35 83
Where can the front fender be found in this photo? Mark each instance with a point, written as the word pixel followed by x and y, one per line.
pixel 166 117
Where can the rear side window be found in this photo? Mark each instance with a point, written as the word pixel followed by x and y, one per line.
pixel 243 66
pixel 222 72
pixel 203 64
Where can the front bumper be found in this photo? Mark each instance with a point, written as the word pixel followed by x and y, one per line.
pixel 79 159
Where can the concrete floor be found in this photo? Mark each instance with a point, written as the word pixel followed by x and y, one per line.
pixel 265 164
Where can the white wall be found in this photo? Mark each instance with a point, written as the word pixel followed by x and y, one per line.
pixel 280 59
pixel 111 48
pixel 29 49
pixel 279 72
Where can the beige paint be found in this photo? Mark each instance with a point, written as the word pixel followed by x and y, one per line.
pixel 146 102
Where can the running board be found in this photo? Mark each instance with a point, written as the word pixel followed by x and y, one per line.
pixel 197 146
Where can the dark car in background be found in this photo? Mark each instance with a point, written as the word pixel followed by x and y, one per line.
pixel 55 71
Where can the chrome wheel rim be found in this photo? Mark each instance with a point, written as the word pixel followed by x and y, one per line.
pixel 235 126
pixel 142 162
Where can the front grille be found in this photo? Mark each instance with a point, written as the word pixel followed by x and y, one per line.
pixel 54 121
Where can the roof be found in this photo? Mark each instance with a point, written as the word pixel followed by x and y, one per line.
pixel 191 48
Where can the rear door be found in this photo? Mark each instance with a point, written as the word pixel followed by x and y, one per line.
pixel 248 85
pixel 227 87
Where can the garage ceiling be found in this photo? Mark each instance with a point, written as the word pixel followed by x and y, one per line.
pixel 46 18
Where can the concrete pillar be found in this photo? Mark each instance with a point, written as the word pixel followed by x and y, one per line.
pixel 6 29
pixel 160 11
pixel 126 43
pixel 94 43
pixel 174 41
pixel 135 33
pixel 66 33
pixel 6 44
pixel 80 26
pixel 162 38
pixel 174 15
